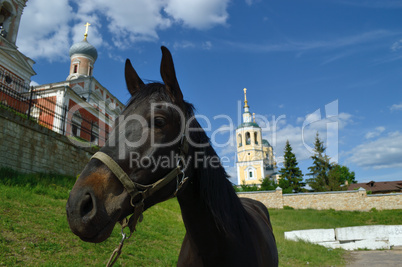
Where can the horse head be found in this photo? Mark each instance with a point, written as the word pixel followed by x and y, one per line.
pixel 145 147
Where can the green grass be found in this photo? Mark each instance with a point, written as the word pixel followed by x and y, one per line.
pixel 299 253
pixel 34 230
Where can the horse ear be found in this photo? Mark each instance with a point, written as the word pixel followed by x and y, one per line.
pixel 169 75
pixel 133 81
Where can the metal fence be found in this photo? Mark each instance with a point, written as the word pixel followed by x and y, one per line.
pixel 42 108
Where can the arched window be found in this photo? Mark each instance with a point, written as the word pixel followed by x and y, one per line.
pixel 256 138
pixel 239 141
pixel 94 132
pixel 76 124
pixel 250 173
pixel 248 139
pixel 6 14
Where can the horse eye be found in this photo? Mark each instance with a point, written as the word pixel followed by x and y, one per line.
pixel 159 122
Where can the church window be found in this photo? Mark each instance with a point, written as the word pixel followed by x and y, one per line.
pixel 248 138
pixel 239 141
pixel 94 132
pixel 76 124
pixel 75 69
pixel 5 18
pixel 250 173
pixel 90 71
pixel 256 138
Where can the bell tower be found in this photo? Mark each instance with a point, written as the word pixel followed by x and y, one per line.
pixel 10 17
pixel 255 158
pixel 16 69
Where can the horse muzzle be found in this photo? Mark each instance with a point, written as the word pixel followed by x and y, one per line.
pixel 91 217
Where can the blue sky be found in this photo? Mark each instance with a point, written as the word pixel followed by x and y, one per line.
pixel 329 66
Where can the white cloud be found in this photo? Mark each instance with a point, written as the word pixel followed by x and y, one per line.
pixel 375 133
pixel 33 83
pixel 183 45
pixel 385 152
pixel 199 14
pixel 251 2
pixel 301 46
pixel 302 138
pixel 396 107
pixel 397 45
pixel 44 30
pixel 48 28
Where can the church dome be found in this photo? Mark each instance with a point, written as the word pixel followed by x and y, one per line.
pixel 84 48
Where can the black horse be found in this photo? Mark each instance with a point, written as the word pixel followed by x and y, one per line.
pixel 156 151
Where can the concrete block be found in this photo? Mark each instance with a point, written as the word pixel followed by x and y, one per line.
pixel 355 245
pixel 372 232
pixel 367 244
pixel 376 232
pixel 395 240
pixel 312 235
pixel 333 245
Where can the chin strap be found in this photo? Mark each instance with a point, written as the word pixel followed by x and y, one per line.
pixel 139 192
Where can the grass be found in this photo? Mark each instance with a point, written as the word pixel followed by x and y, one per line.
pixel 34 230
pixel 300 253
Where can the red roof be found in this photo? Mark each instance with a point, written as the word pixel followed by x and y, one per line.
pixel 379 187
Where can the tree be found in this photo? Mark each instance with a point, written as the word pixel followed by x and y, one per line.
pixel 268 184
pixel 337 177
pixel 320 169
pixel 291 175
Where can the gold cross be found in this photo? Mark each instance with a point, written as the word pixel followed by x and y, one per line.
pixel 86 30
pixel 245 98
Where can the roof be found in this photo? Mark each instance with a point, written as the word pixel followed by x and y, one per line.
pixel 248 124
pixel 85 48
pixel 379 187
pixel 265 142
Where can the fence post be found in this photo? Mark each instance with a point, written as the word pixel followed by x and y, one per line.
pixel 30 103
pixel 64 120
pixel 90 138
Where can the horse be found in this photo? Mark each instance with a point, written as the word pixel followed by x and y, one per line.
pixel 158 150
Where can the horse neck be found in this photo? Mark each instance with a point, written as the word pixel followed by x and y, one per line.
pixel 199 221
pixel 209 206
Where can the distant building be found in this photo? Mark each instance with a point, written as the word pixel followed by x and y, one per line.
pixel 379 187
pixel 84 108
pixel 255 157
pixel 15 68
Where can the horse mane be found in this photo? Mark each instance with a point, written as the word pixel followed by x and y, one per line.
pixel 215 190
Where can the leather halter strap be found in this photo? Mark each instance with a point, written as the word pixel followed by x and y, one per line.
pixel 134 188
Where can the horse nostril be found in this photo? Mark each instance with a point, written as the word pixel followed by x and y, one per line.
pixel 86 205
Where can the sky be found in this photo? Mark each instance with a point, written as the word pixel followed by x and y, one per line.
pixel 332 67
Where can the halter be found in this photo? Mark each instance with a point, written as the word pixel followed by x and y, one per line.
pixel 144 191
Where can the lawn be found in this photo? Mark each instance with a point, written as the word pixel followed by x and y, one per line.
pixel 34 230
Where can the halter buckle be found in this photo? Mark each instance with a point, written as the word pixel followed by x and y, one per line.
pixel 141 200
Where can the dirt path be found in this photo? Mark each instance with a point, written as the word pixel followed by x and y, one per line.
pixel 375 258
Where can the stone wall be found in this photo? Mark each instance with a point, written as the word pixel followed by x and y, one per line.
pixel 341 200
pixel 29 147
pixel 271 199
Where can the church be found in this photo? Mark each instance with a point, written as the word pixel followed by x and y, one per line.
pixel 79 107
pixel 255 157
pixel 16 69
pixel 83 108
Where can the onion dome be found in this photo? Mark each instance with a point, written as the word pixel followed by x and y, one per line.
pixel 84 48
